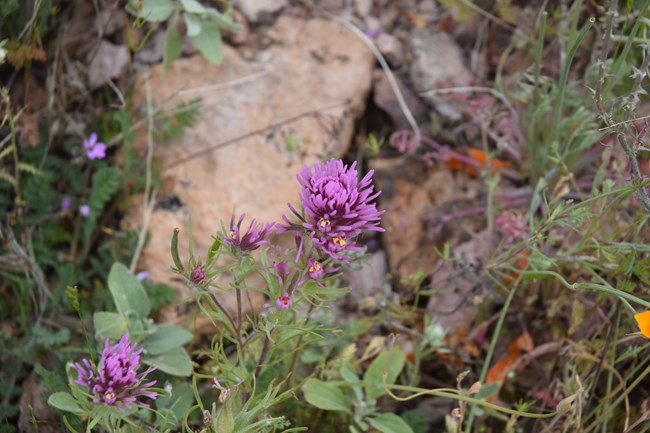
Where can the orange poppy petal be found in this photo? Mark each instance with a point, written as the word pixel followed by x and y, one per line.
pixel 643 320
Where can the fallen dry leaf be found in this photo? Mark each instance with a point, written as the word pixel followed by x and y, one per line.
pixel 480 156
pixel 499 371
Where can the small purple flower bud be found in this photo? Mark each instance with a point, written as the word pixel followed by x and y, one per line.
pixel 94 149
pixel 84 210
pixel 254 237
pixel 284 301
pixel 314 269
pixel 198 276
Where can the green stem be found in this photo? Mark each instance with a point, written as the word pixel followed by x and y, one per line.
pixel 559 103
pixel 490 353
pixel 623 296
pixel 460 397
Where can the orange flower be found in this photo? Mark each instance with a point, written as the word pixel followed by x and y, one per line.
pixel 643 320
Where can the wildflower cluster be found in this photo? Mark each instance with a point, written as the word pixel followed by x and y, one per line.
pixel 337 207
pixel 116 382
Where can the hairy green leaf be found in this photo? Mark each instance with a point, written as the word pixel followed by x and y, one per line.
pixel 326 396
pixel 128 294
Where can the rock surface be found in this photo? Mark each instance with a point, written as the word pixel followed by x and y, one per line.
pixel 311 87
pixel 109 62
pixel 437 63
pixel 257 11
pixel 412 195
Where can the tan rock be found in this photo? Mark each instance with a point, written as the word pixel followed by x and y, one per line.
pixel 437 63
pixel 413 194
pixel 109 62
pixel 314 81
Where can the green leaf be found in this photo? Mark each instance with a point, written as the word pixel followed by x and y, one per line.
pixel 389 363
pixel 390 423
pixel 109 325
pixel 193 6
pixel 223 21
pixel 487 390
pixel 175 362
pixel 417 419
pixel 173 46
pixel 128 293
pixel 209 42
pixel 154 10
pixel 226 420
pixel 193 24
pixel 166 338
pixel 64 401
pixel 105 182
pixel 326 396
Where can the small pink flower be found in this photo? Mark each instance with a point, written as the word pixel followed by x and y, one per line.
pixel 314 269
pixel 94 149
pixel 284 301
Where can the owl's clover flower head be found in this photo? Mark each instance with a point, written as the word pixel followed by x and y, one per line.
pixel 337 206
pixel 116 382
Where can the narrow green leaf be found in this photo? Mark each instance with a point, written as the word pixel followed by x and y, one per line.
pixel 226 420
pixel 28 168
pixel 209 42
pixel 64 401
pixel 326 396
pixel 109 325
pixel 4 175
pixel 389 423
pixel 6 151
pixel 173 46
pixel 389 363
pixel 166 338
pixel 128 293
pixel 175 257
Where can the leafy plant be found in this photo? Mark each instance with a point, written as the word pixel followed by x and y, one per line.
pixel 203 25
pixel 162 343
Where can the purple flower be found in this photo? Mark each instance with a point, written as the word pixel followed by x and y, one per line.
pixel 280 265
pixel 143 275
pixel 284 301
pixel 65 203
pixel 254 237
pixel 314 269
pixel 94 149
pixel 198 276
pixel 337 206
pixel 84 210
pixel 116 381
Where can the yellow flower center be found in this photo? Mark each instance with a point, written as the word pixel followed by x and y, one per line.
pixel 314 267
pixel 339 241
pixel 323 222
pixel 109 396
